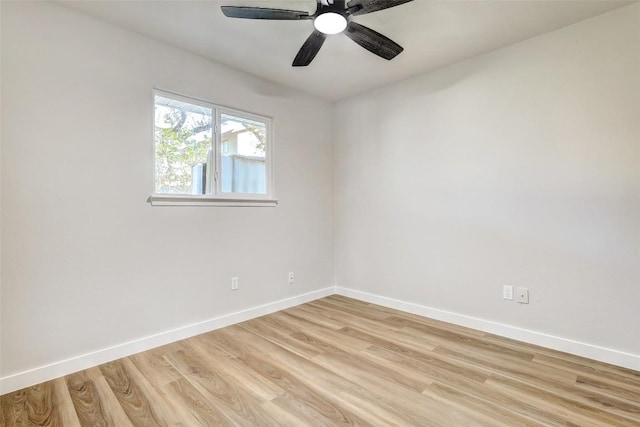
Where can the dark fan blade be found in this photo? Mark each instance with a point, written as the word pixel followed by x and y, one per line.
pixel 309 49
pixel 263 13
pixel 373 41
pixel 368 6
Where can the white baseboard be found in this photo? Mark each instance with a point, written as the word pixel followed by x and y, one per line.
pixel 627 360
pixel 64 367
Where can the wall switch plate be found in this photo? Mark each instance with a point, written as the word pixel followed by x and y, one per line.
pixel 234 283
pixel 522 295
pixel 291 278
pixel 507 292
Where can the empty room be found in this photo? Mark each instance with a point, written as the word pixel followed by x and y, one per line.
pixel 320 212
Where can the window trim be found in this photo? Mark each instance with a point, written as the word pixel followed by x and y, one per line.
pixel 218 198
pixel 193 200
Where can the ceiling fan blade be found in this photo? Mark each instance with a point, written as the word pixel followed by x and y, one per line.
pixel 264 13
pixel 368 6
pixel 309 49
pixel 373 41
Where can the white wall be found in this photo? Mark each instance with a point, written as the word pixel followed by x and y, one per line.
pixel 520 167
pixel 87 263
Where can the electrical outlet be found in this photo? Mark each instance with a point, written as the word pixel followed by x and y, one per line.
pixel 291 277
pixel 507 292
pixel 234 283
pixel 522 295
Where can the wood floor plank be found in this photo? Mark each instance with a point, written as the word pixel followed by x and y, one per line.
pixel 321 378
pixel 320 345
pixel 331 305
pixel 41 404
pixel 281 338
pixel 390 391
pixel 202 413
pixel 154 367
pixel 364 366
pixel 393 313
pixel 472 343
pixel 109 402
pixel 231 398
pixel 33 406
pixel 519 406
pixel 14 410
pixel 388 343
pixel 236 370
pixel 64 405
pixel 332 336
pixel 562 412
pixel 303 400
pixel 515 368
pixel 337 361
pixel 134 402
pixel 308 401
pixel 438 367
pixel 164 408
pixel 550 379
pixel 380 412
pixel 376 328
pixel 571 403
pixel 88 405
pixel 307 314
pixel 597 369
pixel 495 413
pixel 285 418
pixel 621 392
pixel 580 363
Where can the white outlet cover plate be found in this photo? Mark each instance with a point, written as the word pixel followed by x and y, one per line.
pixel 522 295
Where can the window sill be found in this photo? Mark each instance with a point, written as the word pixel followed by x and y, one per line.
pixel 179 200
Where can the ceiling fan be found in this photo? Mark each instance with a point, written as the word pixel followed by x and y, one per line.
pixel 331 17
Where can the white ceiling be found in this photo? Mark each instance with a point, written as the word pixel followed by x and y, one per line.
pixel 433 34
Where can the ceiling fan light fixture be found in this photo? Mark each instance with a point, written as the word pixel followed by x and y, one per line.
pixel 330 17
pixel 330 23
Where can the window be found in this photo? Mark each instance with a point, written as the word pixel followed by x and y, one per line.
pixel 209 155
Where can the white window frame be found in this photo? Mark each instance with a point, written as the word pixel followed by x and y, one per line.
pixel 217 197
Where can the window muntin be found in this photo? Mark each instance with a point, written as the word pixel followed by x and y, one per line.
pixel 205 151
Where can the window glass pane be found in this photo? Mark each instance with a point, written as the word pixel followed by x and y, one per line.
pixel 183 134
pixel 243 155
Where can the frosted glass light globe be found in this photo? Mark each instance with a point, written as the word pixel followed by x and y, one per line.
pixel 330 23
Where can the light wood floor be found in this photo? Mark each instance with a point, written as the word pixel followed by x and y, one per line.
pixel 337 361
